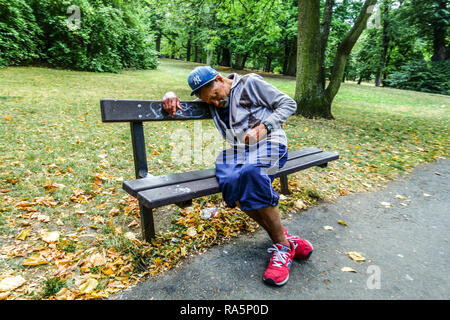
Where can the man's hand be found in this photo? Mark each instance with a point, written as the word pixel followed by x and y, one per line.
pixel 255 134
pixel 171 103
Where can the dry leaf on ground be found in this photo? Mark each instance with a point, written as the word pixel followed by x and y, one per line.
pixel 355 256
pixel 88 286
pixel 11 283
pixel 299 204
pixel 50 237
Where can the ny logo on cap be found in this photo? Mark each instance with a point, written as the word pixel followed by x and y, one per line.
pixel 197 79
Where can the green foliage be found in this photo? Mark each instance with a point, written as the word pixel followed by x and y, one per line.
pixel 87 35
pixel 18 33
pixel 422 76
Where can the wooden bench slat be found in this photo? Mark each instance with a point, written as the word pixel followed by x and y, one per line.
pixel 161 196
pixel 150 110
pixel 175 193
pixel 307 162
pixel 137 185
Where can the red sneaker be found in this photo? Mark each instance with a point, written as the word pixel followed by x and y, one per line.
pixel 277 273
pixel 303 248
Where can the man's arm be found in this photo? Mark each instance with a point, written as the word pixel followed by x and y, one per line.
pixel 268 96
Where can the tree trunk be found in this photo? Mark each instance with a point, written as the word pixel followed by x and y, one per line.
pixel 385 43
pixel 292 60
pixel 439 34
pixel 286 55
pixel 244 60
pixel 188 48
pixel 219 56
pixel 209 55
pixel 196 53
pixel 309 93
pixel 268 64
pixel 239 58
pixel 158 42
pixel 226 58
pixel 324 34
pixel 312 100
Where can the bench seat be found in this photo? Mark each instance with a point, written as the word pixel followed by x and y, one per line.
pixel 158 191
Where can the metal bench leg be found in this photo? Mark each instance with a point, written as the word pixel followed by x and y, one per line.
pixel 284 184
pixel 147 225
pixel 323 165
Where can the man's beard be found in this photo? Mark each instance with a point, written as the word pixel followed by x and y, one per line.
pixel 223 103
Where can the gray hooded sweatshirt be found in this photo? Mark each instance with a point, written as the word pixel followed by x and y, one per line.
pixel 252 101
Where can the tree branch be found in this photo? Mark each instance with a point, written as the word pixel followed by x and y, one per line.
pixel 324 34
pixel 346 46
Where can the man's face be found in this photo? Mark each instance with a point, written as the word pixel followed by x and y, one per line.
pixel 215 94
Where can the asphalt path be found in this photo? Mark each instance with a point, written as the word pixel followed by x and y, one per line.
pixel 405 245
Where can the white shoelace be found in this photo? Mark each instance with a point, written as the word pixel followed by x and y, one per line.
pixel 280 256
pixel 293 238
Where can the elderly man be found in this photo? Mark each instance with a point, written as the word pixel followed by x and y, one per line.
pixel 249 113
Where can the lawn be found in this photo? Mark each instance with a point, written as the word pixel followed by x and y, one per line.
pixel 68 230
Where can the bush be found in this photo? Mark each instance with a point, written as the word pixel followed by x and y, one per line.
pixel 422 76
pixel 109 36
pixel 18 33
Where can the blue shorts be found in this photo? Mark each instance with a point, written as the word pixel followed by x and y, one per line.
pixel 246 174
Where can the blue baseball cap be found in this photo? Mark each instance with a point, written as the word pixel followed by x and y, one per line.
pixel 201 76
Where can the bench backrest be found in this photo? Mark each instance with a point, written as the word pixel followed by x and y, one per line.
pixel 137 111
pixel 149 110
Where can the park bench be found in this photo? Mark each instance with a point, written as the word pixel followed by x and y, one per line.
pixel 181 188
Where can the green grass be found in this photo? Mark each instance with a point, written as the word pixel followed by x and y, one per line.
pixel 53 145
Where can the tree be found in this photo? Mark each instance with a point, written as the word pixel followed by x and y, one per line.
pixel 313 99
pixel 432 16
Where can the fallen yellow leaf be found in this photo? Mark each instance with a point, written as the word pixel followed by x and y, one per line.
pixel 386 204
pixel 342 222
pixel 4 295
pixel 191 232
pixel 108 271
pixel 97 259
pixel 88 286
pixel 23 234
pixel 11 283
pixel 355 256
pixel 50 237
pixel 348 269
pixel 35 260
pixel 299 204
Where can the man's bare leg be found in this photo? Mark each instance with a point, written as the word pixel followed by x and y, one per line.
pixel 269 218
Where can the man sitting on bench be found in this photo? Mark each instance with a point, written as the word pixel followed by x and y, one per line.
pixel 249 113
